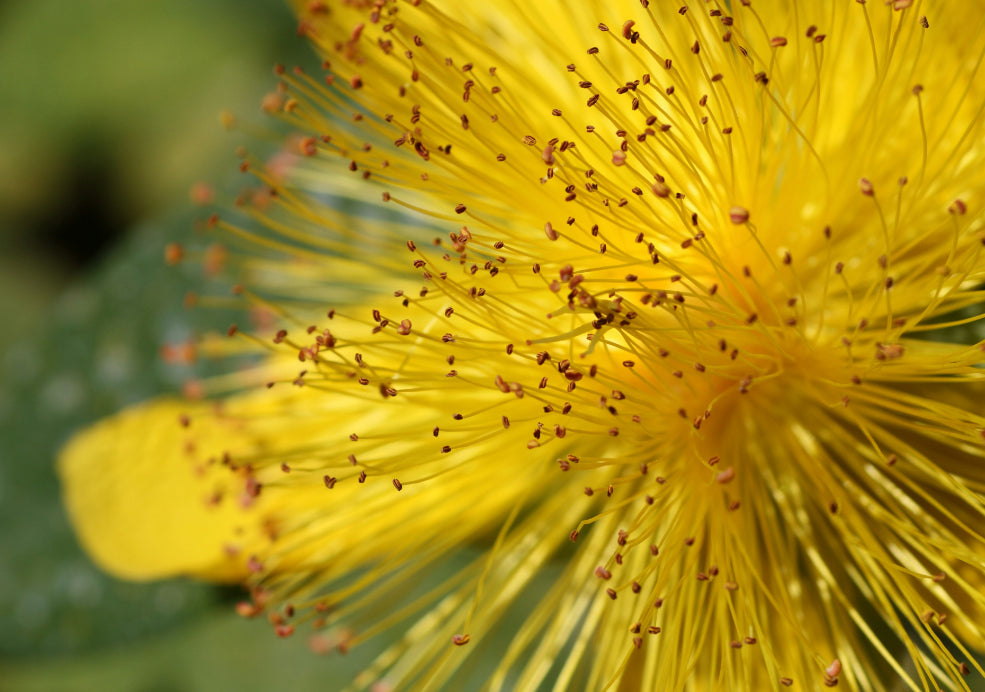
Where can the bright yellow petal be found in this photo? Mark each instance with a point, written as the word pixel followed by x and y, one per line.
pixel 145 501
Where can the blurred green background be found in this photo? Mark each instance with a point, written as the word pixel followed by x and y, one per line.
pixel 108 115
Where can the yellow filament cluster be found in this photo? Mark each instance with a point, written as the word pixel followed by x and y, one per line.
pixel 673 283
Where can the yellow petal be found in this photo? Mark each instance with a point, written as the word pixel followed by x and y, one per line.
pixel 147 501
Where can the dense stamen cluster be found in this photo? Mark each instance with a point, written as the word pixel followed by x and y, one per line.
pixel 676 313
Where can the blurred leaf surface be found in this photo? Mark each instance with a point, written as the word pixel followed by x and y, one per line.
pixel 96 352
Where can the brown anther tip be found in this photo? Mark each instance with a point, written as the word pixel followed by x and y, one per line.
pixel 963 668
pixel 778 41
pixel 247 610
pixel 738 215
pixel 202 194
pixel 611 593
pixel 958 208
pixel 173 254
pixel 308 146
pixel 833 670
pixel 889 351
pixel 725 476
pixel 660 189
pixel 397 484
pixel 232 330
pixel 460 639
pixel 865 187
pixel 786 682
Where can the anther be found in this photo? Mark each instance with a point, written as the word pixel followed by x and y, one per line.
pixel 738 215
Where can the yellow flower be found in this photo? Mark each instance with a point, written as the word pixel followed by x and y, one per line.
pixel 688 338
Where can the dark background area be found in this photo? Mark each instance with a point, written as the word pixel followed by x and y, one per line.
pixel 108 114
